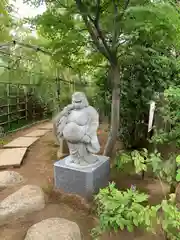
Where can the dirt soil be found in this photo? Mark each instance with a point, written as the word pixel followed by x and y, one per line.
pixel 37 168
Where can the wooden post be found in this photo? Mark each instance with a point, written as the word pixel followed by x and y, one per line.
pixel 26 101
pixel 8 103
pixel 33 104
pixel 17 102
pixel 58 92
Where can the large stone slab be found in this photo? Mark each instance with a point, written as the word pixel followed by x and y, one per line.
pixel 27 199
pixel 47 126
pixel 12 157
pixel 21 142
pixel 82 180
pixel 54 229
pixel 37 133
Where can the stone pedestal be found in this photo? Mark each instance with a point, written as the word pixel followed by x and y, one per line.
pixel 82 180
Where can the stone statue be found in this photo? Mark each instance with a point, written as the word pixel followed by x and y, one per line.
pixel 77 123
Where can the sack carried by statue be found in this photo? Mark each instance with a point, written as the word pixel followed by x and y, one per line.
pixel 60 126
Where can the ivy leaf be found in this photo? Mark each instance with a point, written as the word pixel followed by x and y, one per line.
pixel 140 198
pixel 121 225
pixel 135 221
pixel 178 160
pixel 130 228
pixel 178 176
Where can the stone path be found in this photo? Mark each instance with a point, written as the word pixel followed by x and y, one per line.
pixel 48 126
pixel 29 199
pixel 13 153
pixel 12 157
pixel 37 133
pixel 21 142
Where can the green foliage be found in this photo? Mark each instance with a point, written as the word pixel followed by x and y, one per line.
pixel 170 115
pixel 166 170
pixel 147 65
pixel 5 22
pixel 119 210
pixel 141 36
pixel 178 170
pixel 122 159
pixel 169 133
pixel 137 158
pixel 155 161
pixel 170 220
pixel 102 98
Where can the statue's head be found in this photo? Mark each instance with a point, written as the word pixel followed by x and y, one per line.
pixel 79 100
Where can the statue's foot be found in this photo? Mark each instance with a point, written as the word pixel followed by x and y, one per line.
pixel 90 159
pixel 79 162
pixel 84 161
pixel 74 160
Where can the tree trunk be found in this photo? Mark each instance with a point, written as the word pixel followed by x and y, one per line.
pixel 174 183
pixel 115 111
pixel 173 188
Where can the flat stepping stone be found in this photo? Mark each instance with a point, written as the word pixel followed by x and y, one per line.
pixel 54 229
pixel 12 157
pixel 21 142
pixel 37 133
pixel 26 200
pixel 47 126
pixel 9 178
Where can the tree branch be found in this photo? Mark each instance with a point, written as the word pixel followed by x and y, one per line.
pixel 97 11
pixel 94 32
pixel 124 9
pixel 5 44
pixel 36 48
pixel 115 39
pixel 101 37
pixel 100 34
pixel 115 34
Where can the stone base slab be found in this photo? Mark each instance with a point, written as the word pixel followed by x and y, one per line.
pixel 82 180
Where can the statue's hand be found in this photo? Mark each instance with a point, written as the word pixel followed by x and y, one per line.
pixel 68 108
pixel 86 139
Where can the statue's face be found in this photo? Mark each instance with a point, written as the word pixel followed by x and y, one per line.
pixel 78 100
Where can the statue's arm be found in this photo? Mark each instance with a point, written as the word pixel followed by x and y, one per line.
pixel 91 131
pixel 93 123
pixel 59 120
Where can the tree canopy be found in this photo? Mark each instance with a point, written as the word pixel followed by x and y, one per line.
pixel 129 50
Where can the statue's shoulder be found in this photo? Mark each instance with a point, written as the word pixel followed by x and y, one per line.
pixel 92 110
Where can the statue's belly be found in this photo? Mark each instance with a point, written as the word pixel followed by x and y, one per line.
pixel 73 132
pixel 79 117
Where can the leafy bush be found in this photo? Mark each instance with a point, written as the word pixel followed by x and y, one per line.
pixel 178 170
pixel 119 210
pixel 123 209
pixel 170 220
pixel 168 134
pixel 170 114
pixel 166 170
pixel 140 159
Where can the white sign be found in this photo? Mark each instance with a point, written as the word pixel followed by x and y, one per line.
pixel 151 115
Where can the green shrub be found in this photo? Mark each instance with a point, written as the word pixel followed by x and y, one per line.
pixel 119 210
